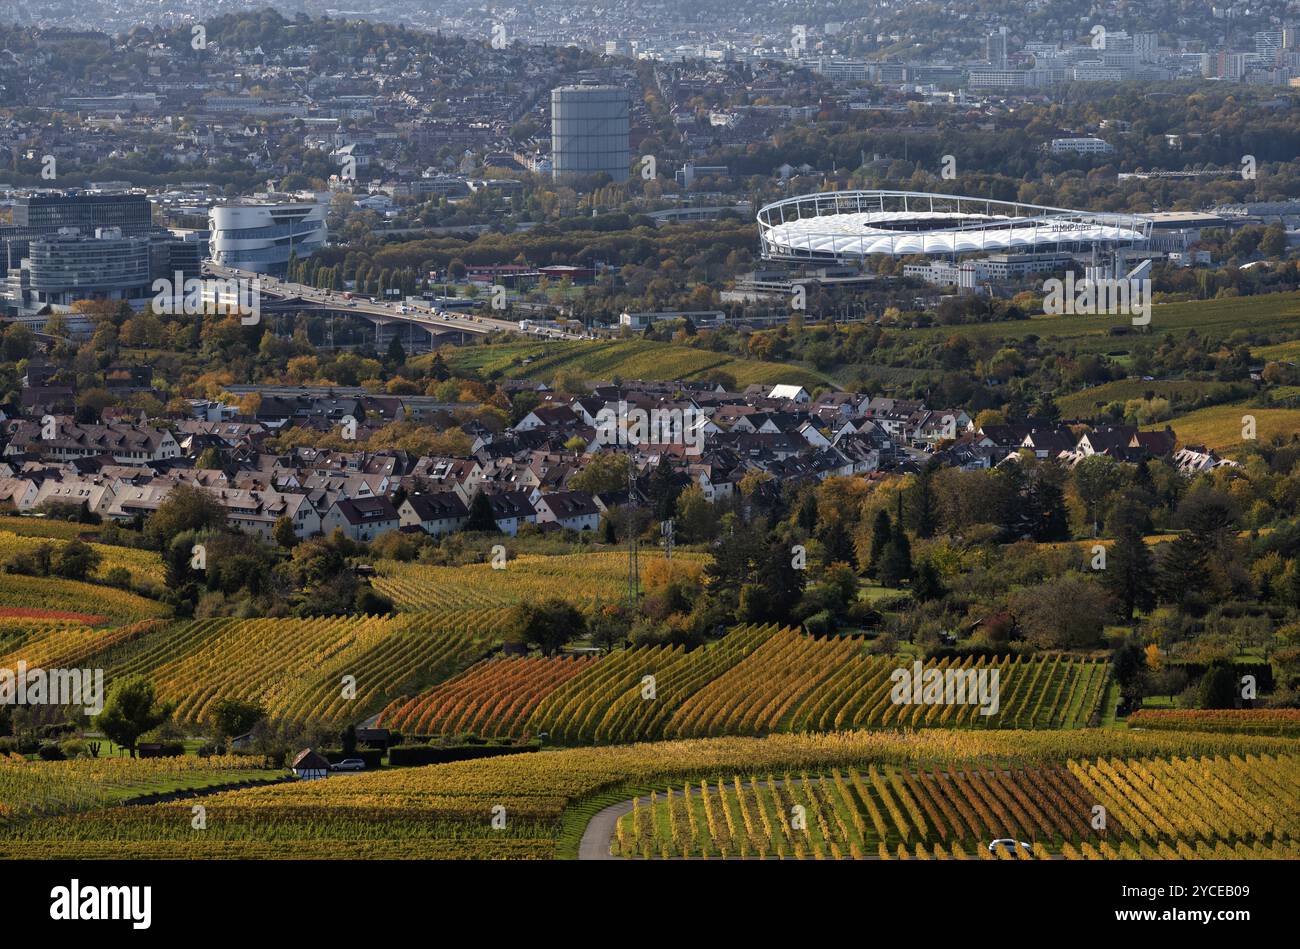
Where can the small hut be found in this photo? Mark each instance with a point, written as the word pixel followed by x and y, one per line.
pixel 310 765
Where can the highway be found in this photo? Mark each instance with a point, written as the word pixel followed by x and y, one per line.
pixel 425 316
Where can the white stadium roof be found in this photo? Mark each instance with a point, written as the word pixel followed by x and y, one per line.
pixel 856 224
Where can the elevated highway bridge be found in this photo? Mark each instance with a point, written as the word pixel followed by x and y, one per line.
pixel 414 324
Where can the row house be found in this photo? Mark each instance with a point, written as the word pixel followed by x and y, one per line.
pixel 435 513
pixel 361 519
pixel 256 512
pixel 575 510
pixel 65 440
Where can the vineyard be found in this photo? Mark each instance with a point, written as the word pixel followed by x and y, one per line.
pixel 754 681
pixel 296 668
pixel 583 579
pixel 68 645
pixel 1161 808
pixel 1258 721
pixel 1239 792
pixel 329 669
pixel 34 788
pixel 142 564
pixel 71 596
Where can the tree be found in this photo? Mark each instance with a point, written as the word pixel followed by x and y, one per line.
pixel 1209 516
pixel 606 472
pixel 130 711
pixel 806 513
pixel 17 342
pixel 77 561
pixel 547 625
pixel 1181 572
pixel 927 585
pixel 1046 624
pixel 1094 478
pixel 209 458
pixel 837 545
pixel 1130 572
pixel 1218 687
pixel 1129 666
pixel 881 533
pixel 480 514
pixel 186 508
pixel 283 534
pixel 896 564
pixel 396 355
pixel 923 504
pixel 777 575
pixel 230 718
pixel 1050 520
pixel 697 518
pixel 663 490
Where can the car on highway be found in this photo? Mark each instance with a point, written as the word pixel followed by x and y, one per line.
pixel 1009 845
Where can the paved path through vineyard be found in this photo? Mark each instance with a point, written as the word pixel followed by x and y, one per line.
pixel 597 838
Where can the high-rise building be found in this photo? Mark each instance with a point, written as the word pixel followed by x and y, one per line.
pixel 1147 46
pixel 996 48
pixel 1269 43
pixel 50 212
pixel 261 235
pixel 590 127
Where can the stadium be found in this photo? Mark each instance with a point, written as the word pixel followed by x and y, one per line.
pixel 846 226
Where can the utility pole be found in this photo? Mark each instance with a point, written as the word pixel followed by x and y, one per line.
pixel 633 569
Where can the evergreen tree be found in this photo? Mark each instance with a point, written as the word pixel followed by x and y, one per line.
pixel 1051 521
pixel 733 561
pixel 438 368
pixel 896 564
pixel 480 514
pixel 663 490
pixel 1130 572
pixel 779 578
pixel 1218 687
pixel 1181 572
pixel 807 514
pixel 881 532
pixel 396 356
pixel 837 545
pixel 927 584
pixel 924 506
